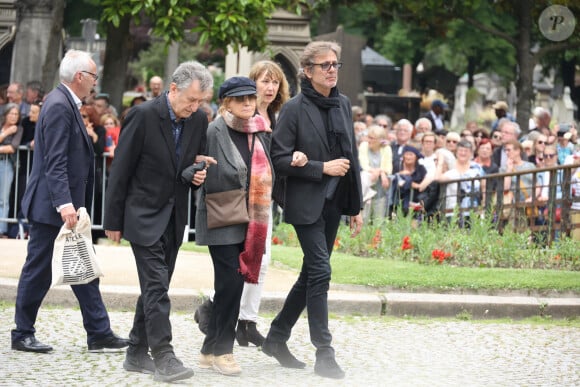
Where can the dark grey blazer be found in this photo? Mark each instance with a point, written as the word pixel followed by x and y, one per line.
pixel 144 182
pixel 230 173
pixel 300 128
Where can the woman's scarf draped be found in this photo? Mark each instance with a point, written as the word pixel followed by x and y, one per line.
pixel 259 195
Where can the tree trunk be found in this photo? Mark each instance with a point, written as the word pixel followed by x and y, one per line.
pixel 470 71
pixel 50 75
pixel 526 63
pixel 328 20
pixel 117 54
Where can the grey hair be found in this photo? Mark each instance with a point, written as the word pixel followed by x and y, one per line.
pixel 9 106
pixel 314 49
pixel 187 72
pixel 73 62
pixel 425 120
pixel 465 144
pixel 407 123
pixel 517 129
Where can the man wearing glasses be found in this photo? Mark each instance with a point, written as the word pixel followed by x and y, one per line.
pixel 60 182
pixel 510 131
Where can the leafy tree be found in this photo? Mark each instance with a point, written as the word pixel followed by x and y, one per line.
pixel 218 23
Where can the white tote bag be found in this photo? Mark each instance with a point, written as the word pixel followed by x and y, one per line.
pixel 74 261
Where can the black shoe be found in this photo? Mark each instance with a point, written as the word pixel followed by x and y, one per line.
pixel 247 332
pixel 171 369
pixel 281 353
pixel 138 360
pixel 30 344
pixel 109 343
pixel 202 315
pixel 328 368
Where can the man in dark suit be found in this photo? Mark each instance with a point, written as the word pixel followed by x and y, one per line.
pixel 61 181
pixel 146 203
pixel 318 123
pixel 437 114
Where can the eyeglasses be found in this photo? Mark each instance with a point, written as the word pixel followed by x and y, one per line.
pixel 95 76
pixel 327 65
pixel 549 155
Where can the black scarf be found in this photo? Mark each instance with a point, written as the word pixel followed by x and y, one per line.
pixel 336 127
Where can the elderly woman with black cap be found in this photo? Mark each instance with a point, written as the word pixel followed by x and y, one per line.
pixel 232 213
pixel 408 180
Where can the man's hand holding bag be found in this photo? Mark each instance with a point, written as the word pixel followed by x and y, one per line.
pixel 74 261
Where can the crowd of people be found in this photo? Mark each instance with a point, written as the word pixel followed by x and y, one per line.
pixel 319 158
pixel 405 165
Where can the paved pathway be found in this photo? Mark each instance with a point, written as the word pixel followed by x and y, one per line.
pixel 373 352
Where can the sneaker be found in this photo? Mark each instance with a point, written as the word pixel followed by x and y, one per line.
pixel 226 365
pixel 328 368
pixel 172 369
pixel 139 361
pixel 206 361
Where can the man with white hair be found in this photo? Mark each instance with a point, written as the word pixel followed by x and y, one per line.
pixel 403 136
pixel 542 118
pixel 423 125
pixel 61 181
pixel 509 131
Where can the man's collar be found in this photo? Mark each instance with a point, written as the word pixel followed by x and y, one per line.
pixel 76 99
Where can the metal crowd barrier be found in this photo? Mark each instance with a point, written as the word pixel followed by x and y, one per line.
pixel 491 205
pixel 24 159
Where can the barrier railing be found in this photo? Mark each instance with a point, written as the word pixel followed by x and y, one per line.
pixel 551 217
pixel 22 166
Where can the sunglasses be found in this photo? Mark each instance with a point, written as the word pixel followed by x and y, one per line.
pixel 549 155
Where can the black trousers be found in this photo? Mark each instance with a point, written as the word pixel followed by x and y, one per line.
pixel 228 284
pixel 35 282
pixel 155 266
pixel 311 289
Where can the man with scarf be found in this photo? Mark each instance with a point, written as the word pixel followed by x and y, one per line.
pixel 317 122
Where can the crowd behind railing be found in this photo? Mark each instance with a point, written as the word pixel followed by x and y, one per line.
pixel 521 180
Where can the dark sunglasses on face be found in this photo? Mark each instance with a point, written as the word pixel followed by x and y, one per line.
pixel 549 155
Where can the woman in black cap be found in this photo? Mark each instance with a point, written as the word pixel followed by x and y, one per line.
pixel 236 234
pixel 408 180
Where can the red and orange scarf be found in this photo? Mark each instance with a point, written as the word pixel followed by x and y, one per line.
pixel 259 195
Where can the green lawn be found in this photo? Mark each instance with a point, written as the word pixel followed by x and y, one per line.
pixel 396 274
